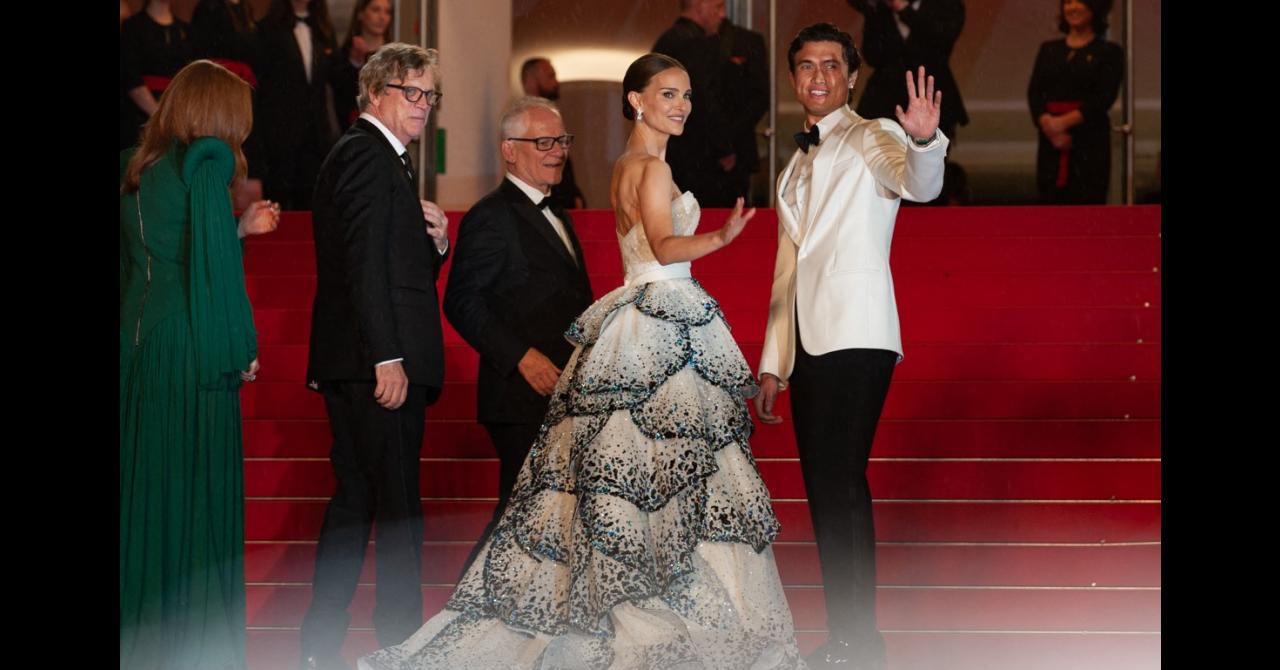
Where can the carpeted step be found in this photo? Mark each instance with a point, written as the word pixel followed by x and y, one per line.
pixel 897 564
pixel 896 520
pixel 941 438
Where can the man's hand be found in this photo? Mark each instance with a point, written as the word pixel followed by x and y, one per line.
pixel 1061 142
pixel 765 399
pixel 539 371
pixel 437 224
pixel 393 385
pixel 924 107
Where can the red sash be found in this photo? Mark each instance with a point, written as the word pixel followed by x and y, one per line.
pixel 240 68
pixel 155 83
pixel 1057 107
pixel 158 85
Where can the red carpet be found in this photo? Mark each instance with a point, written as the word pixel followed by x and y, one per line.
pixel 1016 469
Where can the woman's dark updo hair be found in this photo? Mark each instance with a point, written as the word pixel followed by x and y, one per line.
pixel 1100 9
pixel 638 75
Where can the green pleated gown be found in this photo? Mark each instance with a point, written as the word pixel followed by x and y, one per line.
pixel 186 330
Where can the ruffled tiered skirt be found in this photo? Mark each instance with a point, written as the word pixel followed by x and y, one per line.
pixel 638 533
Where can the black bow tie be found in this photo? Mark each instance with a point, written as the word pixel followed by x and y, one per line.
pixel 544 202
pixel 808 139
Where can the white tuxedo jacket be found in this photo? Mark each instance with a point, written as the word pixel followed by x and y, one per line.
pixel 832 269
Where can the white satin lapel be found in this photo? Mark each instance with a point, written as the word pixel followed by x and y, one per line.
pixel 830 150
pixel 789 216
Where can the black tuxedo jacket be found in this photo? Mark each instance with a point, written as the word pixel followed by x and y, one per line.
pixel 291 110
pixel 744 89
pixel 376 267
pixel 514 286
pixel 707 136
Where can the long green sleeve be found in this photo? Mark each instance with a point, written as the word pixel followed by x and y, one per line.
pixel 221 317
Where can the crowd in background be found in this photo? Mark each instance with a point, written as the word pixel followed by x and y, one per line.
pixel 291 57
pixel 304 80
pixel 189 94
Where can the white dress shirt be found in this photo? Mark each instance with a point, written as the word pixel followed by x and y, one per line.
pixel 903 28
pixel 536 196
pixel 796 192
pixel 302 33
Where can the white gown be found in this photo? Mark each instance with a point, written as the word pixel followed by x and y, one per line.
pixel 638 532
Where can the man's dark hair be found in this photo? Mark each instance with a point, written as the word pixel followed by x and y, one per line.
pixel 528 66
pixel 824 32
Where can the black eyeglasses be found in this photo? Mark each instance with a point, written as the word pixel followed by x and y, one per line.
pixel 545 143
pixel 414 94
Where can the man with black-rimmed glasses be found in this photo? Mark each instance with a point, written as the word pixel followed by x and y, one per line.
pixel 518 280
pixel 377 352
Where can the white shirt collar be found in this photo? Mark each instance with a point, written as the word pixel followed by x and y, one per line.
pixel 395 141
pixel 534 194
pixel 828 123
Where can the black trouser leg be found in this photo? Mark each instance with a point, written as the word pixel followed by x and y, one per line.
pixel 836 403
pixel 398 539
pixel 375 460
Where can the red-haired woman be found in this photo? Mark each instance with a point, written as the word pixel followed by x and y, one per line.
pixel 187 342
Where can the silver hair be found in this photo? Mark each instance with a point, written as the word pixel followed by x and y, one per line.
pixel 513 123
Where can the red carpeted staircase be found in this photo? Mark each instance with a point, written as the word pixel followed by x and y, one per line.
pixel 1016 470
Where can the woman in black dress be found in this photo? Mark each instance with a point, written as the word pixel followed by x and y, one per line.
pixel 370 28
pixel 226 32
pixel 1074 84
pixel 154 45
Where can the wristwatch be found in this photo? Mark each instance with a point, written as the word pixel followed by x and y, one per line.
pixel 924 143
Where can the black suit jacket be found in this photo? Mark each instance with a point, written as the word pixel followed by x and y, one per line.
pixel 292 111
pixel 935 27
pixel 694 155
pixel 376 268
pixel 744 89
pixel 513 286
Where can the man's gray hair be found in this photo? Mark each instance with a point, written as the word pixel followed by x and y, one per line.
pixel 396 60
pixel 513 124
